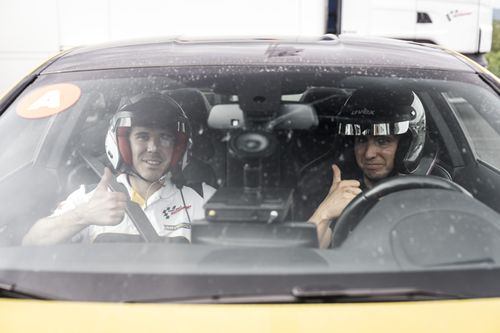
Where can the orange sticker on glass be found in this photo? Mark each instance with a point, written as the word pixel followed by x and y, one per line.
pixel 48 100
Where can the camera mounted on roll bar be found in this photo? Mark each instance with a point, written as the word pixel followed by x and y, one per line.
pixel 250 124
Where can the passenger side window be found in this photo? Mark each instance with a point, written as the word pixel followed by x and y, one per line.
pixel 19 140
pixel 480 128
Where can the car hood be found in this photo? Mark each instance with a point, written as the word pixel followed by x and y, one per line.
pixel 452 316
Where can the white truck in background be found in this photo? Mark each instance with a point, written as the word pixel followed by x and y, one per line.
pixel 465 26
pixel 33 30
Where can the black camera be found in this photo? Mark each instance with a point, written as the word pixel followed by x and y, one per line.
pixel 252 139
pixel 252 144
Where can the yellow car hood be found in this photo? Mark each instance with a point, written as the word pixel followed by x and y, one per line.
pixel 480 315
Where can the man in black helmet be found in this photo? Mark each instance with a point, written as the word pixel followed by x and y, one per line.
pixel 145 143
pixel 384 130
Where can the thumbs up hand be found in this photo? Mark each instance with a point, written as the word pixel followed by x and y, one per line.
pixel 339 196
pixel 105 207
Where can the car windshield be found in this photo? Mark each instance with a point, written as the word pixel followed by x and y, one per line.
pixel 250 150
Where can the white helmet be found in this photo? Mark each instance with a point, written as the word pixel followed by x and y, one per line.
pixel 150 110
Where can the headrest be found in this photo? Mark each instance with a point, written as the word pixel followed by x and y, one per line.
pixel 194 104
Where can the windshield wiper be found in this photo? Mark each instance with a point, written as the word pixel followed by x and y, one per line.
pixel 369 295
pixel 317 295
pixel 478 261
pixel 8 290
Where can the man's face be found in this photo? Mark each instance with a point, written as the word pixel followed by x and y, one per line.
pixel 151 151
pixel 375 155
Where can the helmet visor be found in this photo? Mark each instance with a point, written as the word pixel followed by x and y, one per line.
pixel 129 119
pixel 358 128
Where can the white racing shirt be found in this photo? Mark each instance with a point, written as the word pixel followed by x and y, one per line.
pixel 165 210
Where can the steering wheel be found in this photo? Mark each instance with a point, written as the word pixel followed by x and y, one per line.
pixel 361 204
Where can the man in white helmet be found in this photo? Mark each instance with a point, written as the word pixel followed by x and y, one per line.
pixel 383 132
pixel 146 142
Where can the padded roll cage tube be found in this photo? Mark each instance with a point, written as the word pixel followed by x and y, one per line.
pixel 132 209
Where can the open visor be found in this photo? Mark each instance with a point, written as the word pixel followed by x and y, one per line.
pixel 349 128
pixel 129 119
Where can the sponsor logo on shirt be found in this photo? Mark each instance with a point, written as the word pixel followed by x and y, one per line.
pixel 177 226
pixel 171 211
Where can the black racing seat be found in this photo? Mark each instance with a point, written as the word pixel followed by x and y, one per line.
pixel 327 102
pixel 196 107
pixel 89 142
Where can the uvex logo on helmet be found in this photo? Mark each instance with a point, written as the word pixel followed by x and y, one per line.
pixel 364 112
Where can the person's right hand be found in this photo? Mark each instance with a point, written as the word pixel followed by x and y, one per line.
pixel 339 196
pixel 105 207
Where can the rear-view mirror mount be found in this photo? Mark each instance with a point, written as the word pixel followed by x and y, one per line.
pixel 289 116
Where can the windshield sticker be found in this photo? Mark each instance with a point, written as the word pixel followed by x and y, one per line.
pixel 49 100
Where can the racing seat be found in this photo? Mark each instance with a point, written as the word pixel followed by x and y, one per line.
pixel 430 163
pixel 327 102
pixel 90 142
pixel 196 108
pixel 198 169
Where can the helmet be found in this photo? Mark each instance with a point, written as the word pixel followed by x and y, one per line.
pixel 384 111
pixel 147 110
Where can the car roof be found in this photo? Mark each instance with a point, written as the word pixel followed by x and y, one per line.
pixel 328 51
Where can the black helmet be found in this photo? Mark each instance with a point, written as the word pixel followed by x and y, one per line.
pixel 146 110
pixel 387 111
